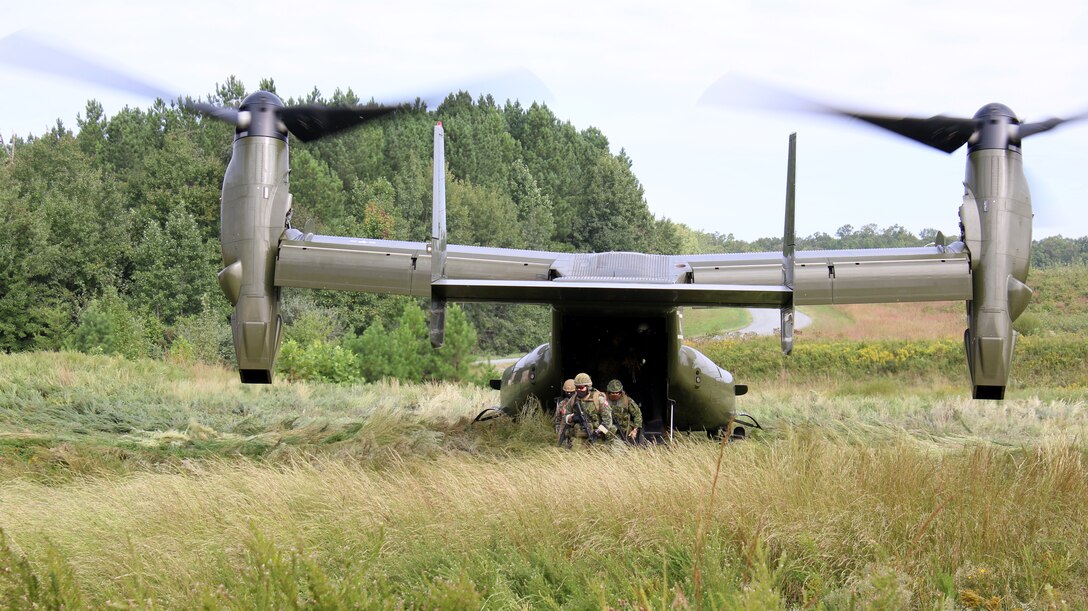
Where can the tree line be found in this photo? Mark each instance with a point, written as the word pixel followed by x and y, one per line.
pixel 112 228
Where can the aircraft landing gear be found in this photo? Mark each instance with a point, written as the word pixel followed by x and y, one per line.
pixel 488 414
pixel 743 420
pixel 739 432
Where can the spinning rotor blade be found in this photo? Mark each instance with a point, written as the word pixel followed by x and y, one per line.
pixel 311 122
pixel 221 113
pixel 305 122
pixel 30 52
pixel 940 132
pixel 1038 127
pixel 25 50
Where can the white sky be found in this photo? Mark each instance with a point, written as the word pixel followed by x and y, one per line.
pixel 635 69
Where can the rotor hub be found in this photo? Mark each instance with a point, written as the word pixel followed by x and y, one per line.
pixel 995 112
pixel 259 115
pixel 996 127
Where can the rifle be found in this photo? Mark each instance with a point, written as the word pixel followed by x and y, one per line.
pixel 577 417
pixel 581 418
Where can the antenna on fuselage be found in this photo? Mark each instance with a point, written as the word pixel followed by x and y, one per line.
pixel 438 237
pixel 789 242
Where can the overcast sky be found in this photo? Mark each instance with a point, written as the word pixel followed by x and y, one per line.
pixel 636 70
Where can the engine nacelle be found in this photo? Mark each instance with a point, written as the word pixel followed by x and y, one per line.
pixel 996 219
pixel 254 210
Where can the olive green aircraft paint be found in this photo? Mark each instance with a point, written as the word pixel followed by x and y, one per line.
pixel 631 293
pixel 706 391
pixel 254 207
pixel 996 218
pixel 997 205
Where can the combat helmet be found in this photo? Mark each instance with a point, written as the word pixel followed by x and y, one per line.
pixel 615 386
pixel 568 386
pixel 583 379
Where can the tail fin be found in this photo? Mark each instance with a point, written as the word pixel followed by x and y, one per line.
pixel 789 242
pixel 438 237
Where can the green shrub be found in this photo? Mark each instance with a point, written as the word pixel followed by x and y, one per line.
pixel 1060 361
pixel 319 361
pixel 206 336
pixel 181 351
pixel 107 326
pixel 405 352
pixel 1028 324
pixel 306 322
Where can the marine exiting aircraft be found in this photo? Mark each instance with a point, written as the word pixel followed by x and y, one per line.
pixel 619 314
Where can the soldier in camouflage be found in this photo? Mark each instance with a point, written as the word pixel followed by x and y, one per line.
pixel 626 414
pixel 561 404
pixel 594 408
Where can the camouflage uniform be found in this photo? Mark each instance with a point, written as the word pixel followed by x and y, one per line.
pixel 561 404
pixel 626 414
pixel 594 408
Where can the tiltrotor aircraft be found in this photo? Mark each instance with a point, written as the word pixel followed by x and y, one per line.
pixel 619 314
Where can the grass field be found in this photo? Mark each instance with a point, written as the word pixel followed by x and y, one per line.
pixel 150 485
pixel 907 321
pixel 875 484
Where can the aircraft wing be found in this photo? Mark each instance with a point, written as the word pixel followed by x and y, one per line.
pixel 528 276
pixel 879 275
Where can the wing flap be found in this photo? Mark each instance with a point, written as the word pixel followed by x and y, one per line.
pixel 891 281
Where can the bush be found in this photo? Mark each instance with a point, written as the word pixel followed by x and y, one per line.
pixel 405 352
pixel 319 360
pixel 107 326
pixel 205 337
pixel 1060 361
pixel 1028 324
pixel 306 322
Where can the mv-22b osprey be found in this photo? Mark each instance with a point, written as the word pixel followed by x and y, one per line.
pixel 616 314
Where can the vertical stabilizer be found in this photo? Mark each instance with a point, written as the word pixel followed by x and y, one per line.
pixel 789 243
pixel 438 237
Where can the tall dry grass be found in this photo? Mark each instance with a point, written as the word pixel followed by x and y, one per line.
pixel 803 517
pixel 71 415
pixel 902 321
pixel 386 496
pixel 943 418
